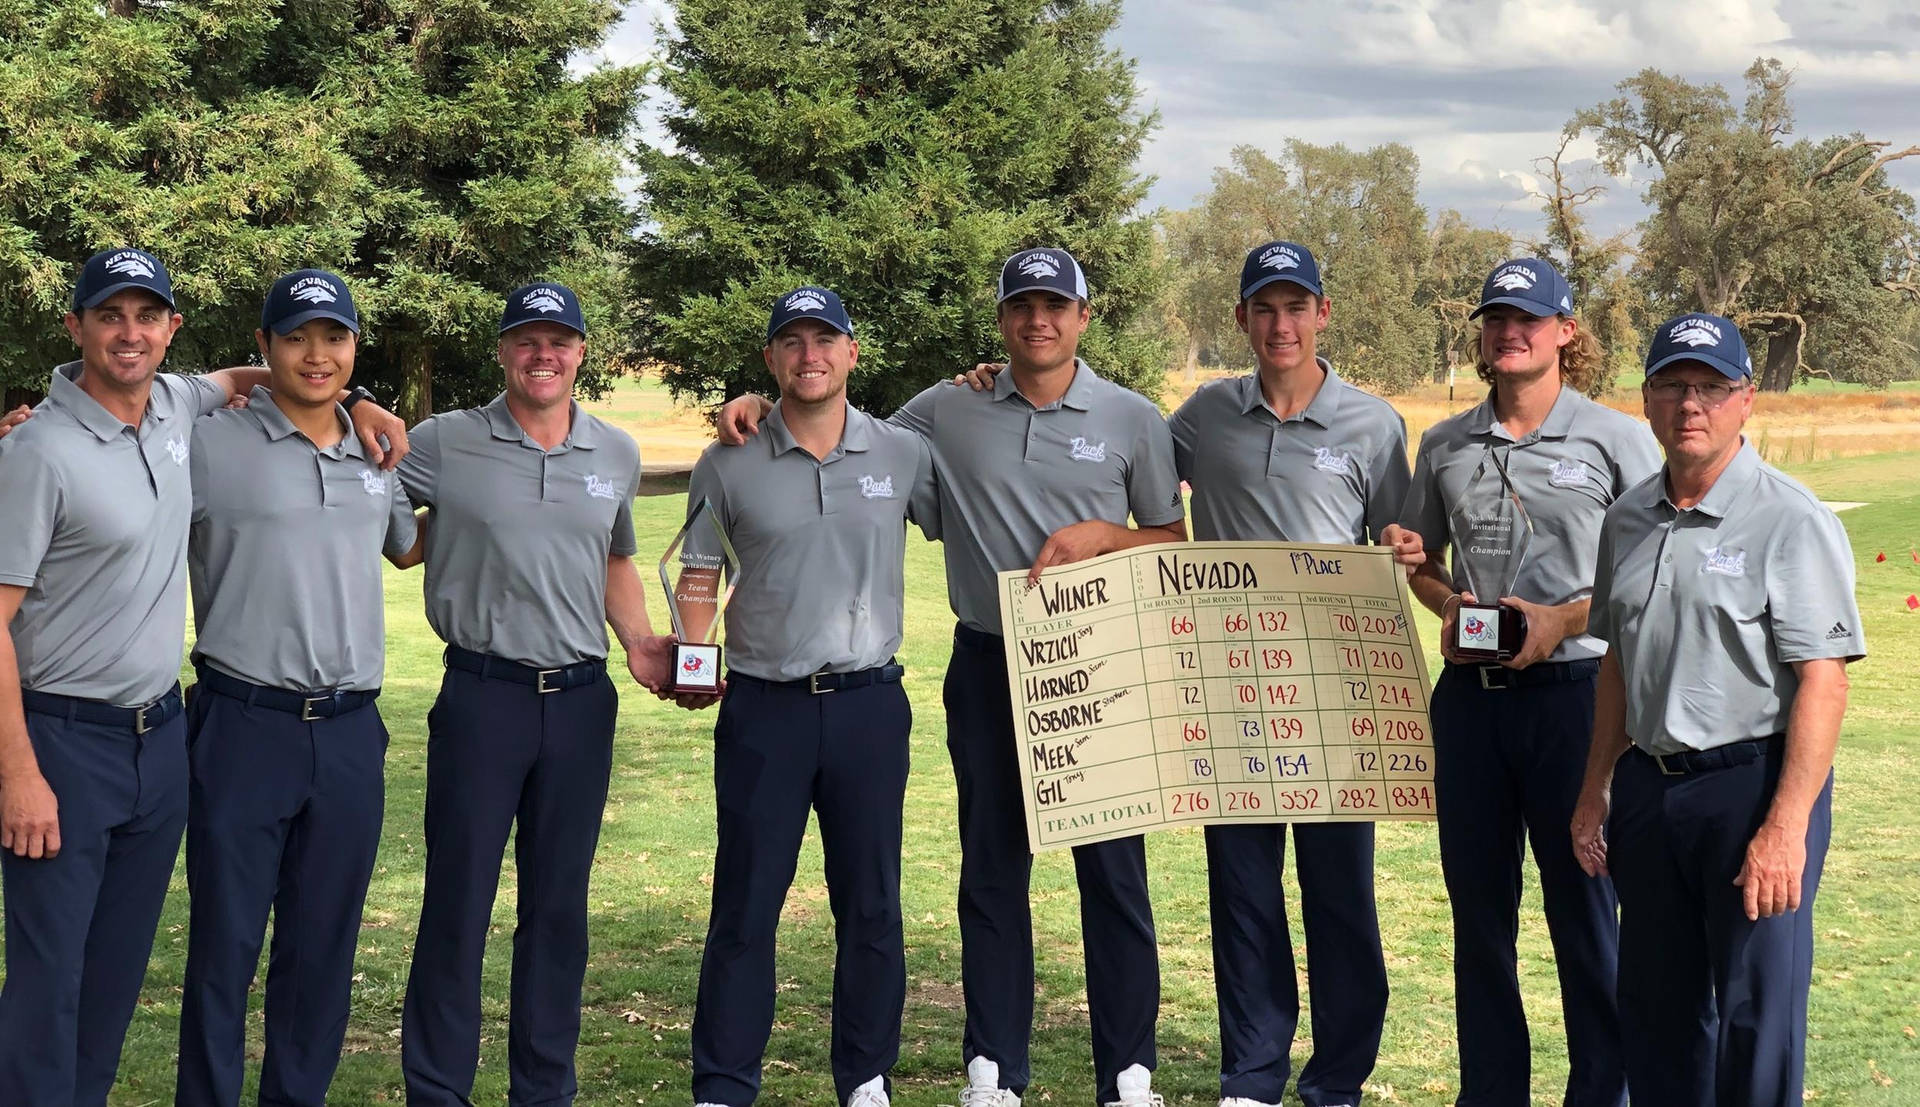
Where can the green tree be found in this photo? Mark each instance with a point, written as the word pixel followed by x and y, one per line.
pixel 1459 257
pixel 895 152
pixel 435 153
pixel 1801 243
pixel 1608 300
pixel 1360 214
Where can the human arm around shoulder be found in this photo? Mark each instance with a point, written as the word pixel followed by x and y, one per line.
pixel 739 418
pixel 923 504
pixel 1388 480
pixel 29 811
pixel 406 542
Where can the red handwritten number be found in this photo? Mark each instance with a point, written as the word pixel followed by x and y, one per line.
pixel 1235 624
pixel 1245 693
pixel 1404 730
pixel 1192 732
pixel 1361 726
pixel 1359 798
pixel 1179 624
pixel 1276 659
pixel 1239 659
pixel 1286 728
pixel 1344 622
pixel 1186 803
pixel 1272 621
pixel 1243 801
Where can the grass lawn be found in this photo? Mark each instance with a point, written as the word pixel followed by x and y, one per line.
pixel 650 896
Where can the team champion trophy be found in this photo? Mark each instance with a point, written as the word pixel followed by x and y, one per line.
pixel 700 548
pixel 1491 533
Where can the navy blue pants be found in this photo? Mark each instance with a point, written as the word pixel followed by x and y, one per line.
pixel 778 751
pixel 996 914
pixel 1508 764
pixel 503 757
pixel 80 925
pixel 284 815
pixel 1253 967
pixel 1713 1008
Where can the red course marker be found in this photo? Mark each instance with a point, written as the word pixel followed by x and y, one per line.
pixel 1913 603
pixel 1882 557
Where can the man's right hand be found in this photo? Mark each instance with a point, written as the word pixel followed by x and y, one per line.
pixel 980 377
pixel 740 419
pixel 29 818
pixel 14 418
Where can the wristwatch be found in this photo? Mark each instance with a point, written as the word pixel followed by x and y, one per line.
pixel 354 396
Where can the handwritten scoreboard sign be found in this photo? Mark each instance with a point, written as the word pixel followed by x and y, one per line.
pixel 1216 682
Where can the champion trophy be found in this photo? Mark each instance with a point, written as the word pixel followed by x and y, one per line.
pixel 1491 533
pixel 709 571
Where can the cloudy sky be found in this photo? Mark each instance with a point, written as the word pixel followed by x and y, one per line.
pixel 1478 88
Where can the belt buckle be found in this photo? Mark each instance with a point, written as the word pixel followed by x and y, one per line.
pixel 813 684
pixel 1660 759
pixel 140 718
pixel 306 706
pixel 1488 671
pixel 540 681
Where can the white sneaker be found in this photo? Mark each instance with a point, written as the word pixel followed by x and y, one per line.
pixel 1135 1085
pixel 983 1086
pixel 871 1094
pixel 1243 1101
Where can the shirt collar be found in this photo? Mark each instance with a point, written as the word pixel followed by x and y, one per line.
pixel 275 422
pixel 1079 394
pixel 66 394
pixel 1728 488
pixel 580 432
pixel 1320 409
pixel 856 437
pixel 1559 421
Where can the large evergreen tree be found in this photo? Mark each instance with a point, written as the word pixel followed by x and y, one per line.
pixel 896 151
pixel 437 153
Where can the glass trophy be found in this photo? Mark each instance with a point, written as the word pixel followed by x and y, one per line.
pixel 1491 533
pixel 709 571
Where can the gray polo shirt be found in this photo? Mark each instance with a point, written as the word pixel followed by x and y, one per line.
pixel 1336 472
pixel 95 528
pixel 1011 474
pixel 1566 474
pixel 822 544
pixel 1708 608
pixel 285 551
pixel 517 548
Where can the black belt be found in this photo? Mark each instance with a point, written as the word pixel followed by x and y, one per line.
pixel 1494 678
pixel 821 683
pixel 321 703
pixel 1688 762
pixel 488 667
pixel 139 720
pixel 978 639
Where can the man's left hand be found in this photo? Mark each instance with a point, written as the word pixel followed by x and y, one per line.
pixel 1409 549
pixel 14 418
pixel 650 662
pixel 371 423
pixel 1076 542
pixel 1770 877
pixel 1546 629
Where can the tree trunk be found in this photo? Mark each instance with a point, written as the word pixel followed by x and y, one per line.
pixel 1783 357
pixel 416 392
pixel 14 397
pixel 1193 360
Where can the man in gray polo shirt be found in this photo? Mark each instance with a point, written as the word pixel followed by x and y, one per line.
pixel 1510 739
pixel 814 714
pixel 1043 470
pixel 1725 590
pixel 1293 453
pixel 287 750
pixel 529 560
pixel 93 773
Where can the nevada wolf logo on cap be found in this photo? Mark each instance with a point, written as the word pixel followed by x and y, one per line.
pixel 543 299
pixel 128 263
pixel 806 300
pixel 1040 265
pixel 315 290
pixel 1695 332
pixel 1280 259
pixel 1513 278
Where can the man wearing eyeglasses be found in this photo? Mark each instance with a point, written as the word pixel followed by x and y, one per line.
pixel 1725 589
pixel 1510 739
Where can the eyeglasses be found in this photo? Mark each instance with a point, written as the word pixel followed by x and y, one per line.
pixel 1711 394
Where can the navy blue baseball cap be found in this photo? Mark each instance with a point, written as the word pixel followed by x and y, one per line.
pixel 809 301
pixel 544 302
pixel 1279 261
pixel 307 294
pixel 1048 269
pixel 1711 340
pixel 1530 284
pixel 115 270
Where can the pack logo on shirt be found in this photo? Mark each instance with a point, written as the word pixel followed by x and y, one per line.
pixel 1567 473
pixel 602 489
pixel 177 449
pixel 1079 449
pixel 374 483
pixel 1327 461
pixel 872 489
pixel 1722 561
